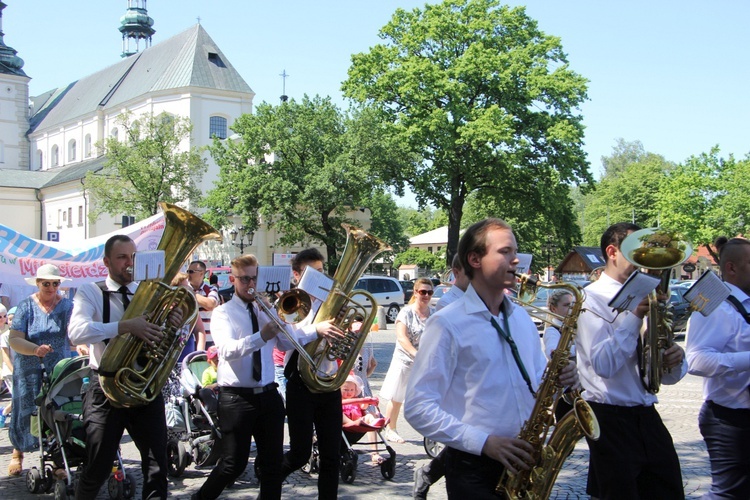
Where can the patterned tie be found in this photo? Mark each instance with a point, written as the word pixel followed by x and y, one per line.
pixel 125 300
pixel 257 363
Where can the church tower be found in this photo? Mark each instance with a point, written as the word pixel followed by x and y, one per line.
pixel 14 107
pixel 136 26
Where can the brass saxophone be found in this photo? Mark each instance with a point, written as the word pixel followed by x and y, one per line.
pixel 361 248
pixel 131 372
pixel 549 455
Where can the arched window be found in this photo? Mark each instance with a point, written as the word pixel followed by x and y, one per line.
pixel 40 157
pixel 54 160
pixel 72 150
pixel 87 146
pixel 115 133
pixel 217 127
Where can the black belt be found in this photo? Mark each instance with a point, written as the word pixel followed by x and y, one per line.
pixel 248 390
pixel 627 410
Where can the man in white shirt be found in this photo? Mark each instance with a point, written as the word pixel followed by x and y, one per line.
pixel 460 284
pixel 718 348
pixel 634 456
pixel 96 318
pixel 467 388
pixel 249 404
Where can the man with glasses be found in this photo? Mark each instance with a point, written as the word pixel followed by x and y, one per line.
pixel 249 404
pixel 207 297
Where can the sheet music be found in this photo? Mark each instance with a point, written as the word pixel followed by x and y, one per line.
pixel 273 279
pixel 633 291
pixel 707 293
pixel 148 265
pixel 315 283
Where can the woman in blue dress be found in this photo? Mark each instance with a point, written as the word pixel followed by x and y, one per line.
pixel 39 334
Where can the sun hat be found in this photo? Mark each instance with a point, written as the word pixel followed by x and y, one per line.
pixel 212 353
pixel 356 380
pixel 12 310
pixel 47 272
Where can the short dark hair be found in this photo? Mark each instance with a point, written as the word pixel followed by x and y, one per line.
pixel 475 240
pixel 614 236
pixel 456 263
pixel 213 279
pixel 200 263
pixel 118 238
pixel 729 249
pixel 305 257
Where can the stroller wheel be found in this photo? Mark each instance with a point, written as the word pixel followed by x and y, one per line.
pixel 348 472
pixel 177 458
pixel 127 488
pixel 388 468
pixel 34 481
pixel 49 479
pixel 61 490
pixel 433 448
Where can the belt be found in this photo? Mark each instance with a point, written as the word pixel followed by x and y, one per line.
pixel 249 390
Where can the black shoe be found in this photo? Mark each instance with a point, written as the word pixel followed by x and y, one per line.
pixel 421 484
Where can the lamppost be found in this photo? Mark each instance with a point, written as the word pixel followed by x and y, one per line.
pixel 549 249
pixel 242 232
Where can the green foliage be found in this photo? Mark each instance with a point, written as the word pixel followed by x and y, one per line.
pixel 146 167
pixel 386 224
pixel 483 97
pixel 416 222
pixel 422 258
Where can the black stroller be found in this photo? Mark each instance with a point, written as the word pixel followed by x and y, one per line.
pixel 191 420
pixel 58 426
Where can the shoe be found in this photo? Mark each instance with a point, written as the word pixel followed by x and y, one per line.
pixel 376 458
pixel 15 467
pixel 393 436
pixel 421 484
pixel 3 417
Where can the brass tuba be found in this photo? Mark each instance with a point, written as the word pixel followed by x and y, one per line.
pixel 131 372
pixel 656 249
pixel 361 249
pixel 550 454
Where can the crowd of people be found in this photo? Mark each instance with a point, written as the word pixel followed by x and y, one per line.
pixel 466 372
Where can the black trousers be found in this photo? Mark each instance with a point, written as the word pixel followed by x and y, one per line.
pixel 243 415
pixel 470 476
pixel 634 456
pixel 726 432
pixel 323 410
pixel 104 425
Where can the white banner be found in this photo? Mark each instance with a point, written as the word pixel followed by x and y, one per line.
pixel 82 262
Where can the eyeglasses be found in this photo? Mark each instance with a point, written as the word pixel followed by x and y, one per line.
pixel 245 280
pixel 193 271
pixel 425 292
pixel 47 284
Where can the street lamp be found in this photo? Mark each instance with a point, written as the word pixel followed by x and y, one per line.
pixel 241 231
pixel 549 249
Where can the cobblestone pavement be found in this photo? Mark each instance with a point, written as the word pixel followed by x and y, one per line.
pixel 679 406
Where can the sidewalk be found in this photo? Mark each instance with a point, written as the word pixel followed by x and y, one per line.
pixel 679 406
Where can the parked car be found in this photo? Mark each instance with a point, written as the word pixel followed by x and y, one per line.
pixel 440 290
pixel 385 290
pixel 408 287
pixel 226 288
pixel 680 308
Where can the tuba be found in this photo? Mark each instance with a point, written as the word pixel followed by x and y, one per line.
pixel 131 372
pixel 361 248
pixel 656 249
pixel 550 454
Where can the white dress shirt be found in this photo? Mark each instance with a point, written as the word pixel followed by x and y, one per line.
pixel 718 348
pixel 606 350
pixel 449 297
pixel 465 384
pixel 551 338
pixel 86 322
pixel 236 342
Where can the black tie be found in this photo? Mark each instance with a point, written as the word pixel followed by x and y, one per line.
pixel 257 366
pixel 125 300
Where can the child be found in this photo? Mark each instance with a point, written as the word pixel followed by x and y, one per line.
pixel 208 380
pixel 357 413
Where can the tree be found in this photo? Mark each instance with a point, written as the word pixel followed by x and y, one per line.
pixel 299 167
pixel 147 167
pixel 419 257
pixel 386 223
pixel 483 97
pixel 421 221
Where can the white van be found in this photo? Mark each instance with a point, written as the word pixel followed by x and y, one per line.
pixel 387 292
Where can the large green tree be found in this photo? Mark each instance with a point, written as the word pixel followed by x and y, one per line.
pixel 146 164
pixel 484 97
pixel 300 167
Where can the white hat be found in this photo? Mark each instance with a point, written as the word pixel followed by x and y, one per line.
pixel 47 272
pixel 356 380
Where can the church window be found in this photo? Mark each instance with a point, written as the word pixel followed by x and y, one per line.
pixel 40 157
pixel 80 215
pixel 72 150
pixel 54 159
pixel 114 133
pixel 87 146
pixel 217 127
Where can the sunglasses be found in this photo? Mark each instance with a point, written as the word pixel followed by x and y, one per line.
pixel 245 280
pixel 425 292
pixel 193 271
pixel 47 284
pixel 3 316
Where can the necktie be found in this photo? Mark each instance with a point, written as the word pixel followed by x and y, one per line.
pixel 505 335
pixel 125 300
pixel 257 363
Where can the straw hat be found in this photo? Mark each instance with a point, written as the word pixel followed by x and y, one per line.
pixel 47 272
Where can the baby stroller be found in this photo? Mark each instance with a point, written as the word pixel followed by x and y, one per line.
pixel 62 439
pixel 191 420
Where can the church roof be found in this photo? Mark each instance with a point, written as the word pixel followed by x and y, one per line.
pixel 38 179
pixel 188 59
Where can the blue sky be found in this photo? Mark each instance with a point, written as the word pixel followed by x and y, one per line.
pixel 672 74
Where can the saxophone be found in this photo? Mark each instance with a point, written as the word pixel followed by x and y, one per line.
pixel 131 372
pixel 549 455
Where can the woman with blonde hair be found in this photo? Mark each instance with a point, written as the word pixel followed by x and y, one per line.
pixel 409 327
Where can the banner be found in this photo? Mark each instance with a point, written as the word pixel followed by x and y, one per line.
pixel 82 262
